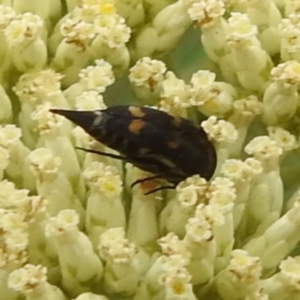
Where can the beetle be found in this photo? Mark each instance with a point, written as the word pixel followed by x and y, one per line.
pixel 170 147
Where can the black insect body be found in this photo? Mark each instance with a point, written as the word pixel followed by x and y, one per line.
pixel 171 148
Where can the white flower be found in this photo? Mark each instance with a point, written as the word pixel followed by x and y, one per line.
pixel 38 86
pixel 97 77
pixel 288 74
pixel 219 130
pixel 205 11
pixel 191 191
pixel 23 28
pixel 240 28
pixel 77 32
pixel 114 246
pixel 263 147
pixel 147 72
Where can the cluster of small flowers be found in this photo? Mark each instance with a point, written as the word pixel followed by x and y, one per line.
pixel 71 226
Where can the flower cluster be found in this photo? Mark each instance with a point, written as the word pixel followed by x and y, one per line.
pixel 71 225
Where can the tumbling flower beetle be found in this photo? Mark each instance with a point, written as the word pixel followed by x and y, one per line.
pixel 171 148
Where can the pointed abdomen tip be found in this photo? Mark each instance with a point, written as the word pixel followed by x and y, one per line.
pixel 85 119
pixel 58 111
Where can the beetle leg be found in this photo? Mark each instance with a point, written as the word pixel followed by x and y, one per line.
pixel 143 180
pixel 166 187
pixel 103 153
